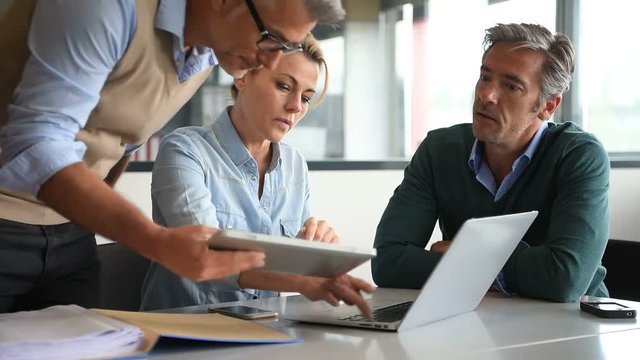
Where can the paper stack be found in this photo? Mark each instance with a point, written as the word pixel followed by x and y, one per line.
pixel 65 332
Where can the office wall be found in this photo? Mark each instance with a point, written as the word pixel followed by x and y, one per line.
pixel 624 199
pixel 354 200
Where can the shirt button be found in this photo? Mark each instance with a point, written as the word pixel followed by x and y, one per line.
pixel 229 227
pixel 253 178
pixel 266 208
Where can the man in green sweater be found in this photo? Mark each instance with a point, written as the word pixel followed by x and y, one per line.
pixel 509 160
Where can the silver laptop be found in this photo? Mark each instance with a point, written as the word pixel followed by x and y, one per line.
pixel 457 284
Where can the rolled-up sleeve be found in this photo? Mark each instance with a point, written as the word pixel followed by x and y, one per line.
pixel 72 54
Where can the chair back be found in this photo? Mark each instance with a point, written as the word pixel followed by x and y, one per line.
pixel 622 261
pixel 121 275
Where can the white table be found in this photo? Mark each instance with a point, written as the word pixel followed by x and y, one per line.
pixel 618 345
pixel 500 328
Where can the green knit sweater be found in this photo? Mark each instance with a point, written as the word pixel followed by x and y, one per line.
pixel 566 181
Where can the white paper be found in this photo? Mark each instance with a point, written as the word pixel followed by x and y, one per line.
pixel 65 332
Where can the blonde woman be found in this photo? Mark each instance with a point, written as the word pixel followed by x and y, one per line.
pixel 237 174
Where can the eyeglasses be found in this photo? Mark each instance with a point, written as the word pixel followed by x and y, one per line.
pixel 269 42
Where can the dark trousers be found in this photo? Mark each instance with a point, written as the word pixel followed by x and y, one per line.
pixel 45 265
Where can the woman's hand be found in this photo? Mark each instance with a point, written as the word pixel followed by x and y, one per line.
pixel 318 230
pixel 345 288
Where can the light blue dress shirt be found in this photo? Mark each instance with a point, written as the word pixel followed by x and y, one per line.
pixel 74 47
pixel 485 177
pixel 205 175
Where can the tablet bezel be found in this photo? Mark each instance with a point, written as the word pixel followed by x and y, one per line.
pixel 292 255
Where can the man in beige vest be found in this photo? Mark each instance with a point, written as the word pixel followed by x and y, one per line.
pixel 84 81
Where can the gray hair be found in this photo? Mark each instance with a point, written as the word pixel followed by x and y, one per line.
pixel 557 49
pixel 325 11
pixel 321 11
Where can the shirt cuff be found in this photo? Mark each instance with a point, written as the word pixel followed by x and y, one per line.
pixel 131 148
pixel 500 285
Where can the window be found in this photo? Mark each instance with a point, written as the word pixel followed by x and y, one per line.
pixel 608 73
pixel 438 50
pixel 408 67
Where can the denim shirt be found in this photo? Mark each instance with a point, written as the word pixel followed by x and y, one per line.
pixel 205 175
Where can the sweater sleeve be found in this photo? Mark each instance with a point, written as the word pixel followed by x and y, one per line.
pixel 563 266
pixel 405 228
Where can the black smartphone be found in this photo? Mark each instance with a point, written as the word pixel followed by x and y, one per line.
pixel 243 312
pixel 608 309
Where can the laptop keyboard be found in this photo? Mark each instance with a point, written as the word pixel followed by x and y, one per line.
pixel 386 314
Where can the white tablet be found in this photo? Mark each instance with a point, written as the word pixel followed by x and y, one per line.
pixel 292 255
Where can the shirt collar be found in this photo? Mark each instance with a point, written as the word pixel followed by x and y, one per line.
pixel 476 157
pixel 276 159
pixel 234 147
pixel 170 17
pixel 533 145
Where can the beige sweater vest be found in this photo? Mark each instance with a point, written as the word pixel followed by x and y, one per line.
pixel 140 95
